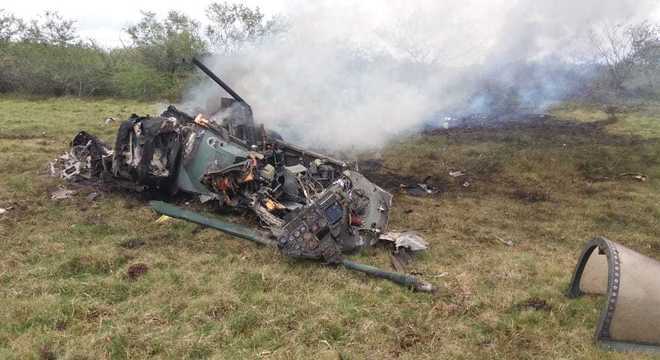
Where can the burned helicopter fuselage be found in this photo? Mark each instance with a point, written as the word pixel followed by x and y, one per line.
pixel 312 206
pixel 283 185
pixel 316 206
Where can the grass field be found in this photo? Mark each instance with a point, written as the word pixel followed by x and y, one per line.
pixel 66 292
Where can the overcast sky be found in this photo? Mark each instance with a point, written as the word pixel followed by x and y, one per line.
pixel 104 20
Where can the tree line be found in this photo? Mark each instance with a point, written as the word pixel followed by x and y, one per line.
pixel 628 60
pixel 46 56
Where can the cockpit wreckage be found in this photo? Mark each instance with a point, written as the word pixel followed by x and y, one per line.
pixel 311 206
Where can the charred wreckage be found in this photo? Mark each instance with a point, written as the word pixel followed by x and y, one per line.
pixel 309 205
pixel 313 206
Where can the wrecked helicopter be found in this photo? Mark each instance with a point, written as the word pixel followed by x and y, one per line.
pixel 309 205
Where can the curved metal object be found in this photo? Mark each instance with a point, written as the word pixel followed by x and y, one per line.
pixel 630 320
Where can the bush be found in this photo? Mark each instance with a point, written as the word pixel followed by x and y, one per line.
pixel 83 70
pixel 56 70
pixel 45 56
pixel 48 59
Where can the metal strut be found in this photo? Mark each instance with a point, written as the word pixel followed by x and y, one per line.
pixel 260 237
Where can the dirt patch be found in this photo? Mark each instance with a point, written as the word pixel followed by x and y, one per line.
pixel 218 312
pixel 537 126
pixel 93 315
pixel 534 303
pixel 136 271
pixel 370 165
pixel 532 196
pixel 23 136
pixel 46 354
pixel 395 182
pixel 132 243
pixel 408 340
pixel 388 180
pixel 60 325
pixel 15 209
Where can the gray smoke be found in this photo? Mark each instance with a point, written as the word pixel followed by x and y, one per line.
pixel 352 75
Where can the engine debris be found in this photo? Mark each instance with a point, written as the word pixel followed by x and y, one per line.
pixel 409 240
pixel 61 194
pixel 630 320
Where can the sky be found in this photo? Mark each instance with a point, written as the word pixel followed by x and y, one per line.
pixel 104 20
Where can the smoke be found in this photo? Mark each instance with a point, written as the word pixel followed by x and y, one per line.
pixel 354 74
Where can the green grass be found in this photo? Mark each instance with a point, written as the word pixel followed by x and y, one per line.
pixel 640 120
pixel 63 265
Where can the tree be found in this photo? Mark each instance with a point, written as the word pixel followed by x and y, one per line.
pixel 645 38
pixel 614 50
pixel 47 57
pixel 164 44
pixel 626 51
pixel 233 25
pixel 51 29
pixel 11 27
pixel 408 36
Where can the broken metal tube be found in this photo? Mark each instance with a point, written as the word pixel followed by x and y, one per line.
pixel 398 278
pixel 218 81
pixel 229 228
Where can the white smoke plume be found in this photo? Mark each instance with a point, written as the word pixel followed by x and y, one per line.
pixel 354 74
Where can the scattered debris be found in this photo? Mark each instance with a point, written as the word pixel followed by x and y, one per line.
pixel 87 158
pixel 425 188
pixel 109 120
pixel 62 194
pixel 164 219
pixel 312 206
pixel 265 353
pixel 534 303
pixel 410 240
pixel 634 176
pixel 456 173
pixel 4 210
pixel 466 184
pixel 418 189
pixel 92 196
pixel 136 270
pixel 503 241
